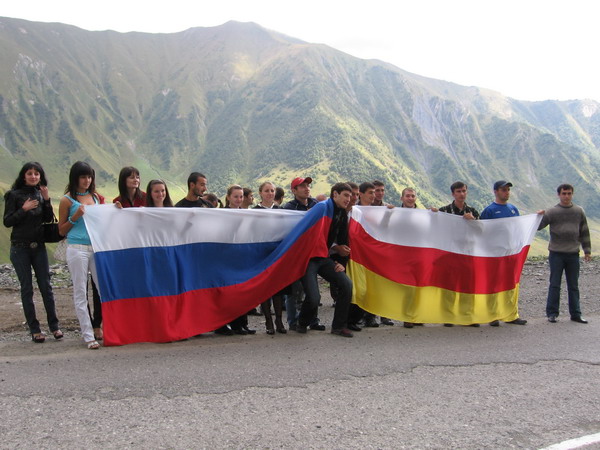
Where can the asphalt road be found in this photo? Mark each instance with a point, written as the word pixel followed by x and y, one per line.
pixel 432 387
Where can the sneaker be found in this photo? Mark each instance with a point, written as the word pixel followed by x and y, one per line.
pixel 344 332
pixel 552 319
pixel 354 327
pixel 495 323
pixel 371 323
pixel 386 321
pixel 317 327
pixel 518 321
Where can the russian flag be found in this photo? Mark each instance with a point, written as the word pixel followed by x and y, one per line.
pixel 166 274
pixel 425 267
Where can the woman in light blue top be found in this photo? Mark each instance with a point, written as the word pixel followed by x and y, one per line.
pixel 80 193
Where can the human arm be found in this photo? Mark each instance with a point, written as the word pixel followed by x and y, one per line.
pixel 339 267
pixel 342 250
pixel 66 222
pixel 15 210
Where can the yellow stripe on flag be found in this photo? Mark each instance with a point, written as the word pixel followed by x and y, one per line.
pixel 381 296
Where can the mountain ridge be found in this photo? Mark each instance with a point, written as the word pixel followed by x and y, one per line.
pixel 243 104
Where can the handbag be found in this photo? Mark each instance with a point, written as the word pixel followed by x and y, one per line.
pixel 51 233
pixel 60 253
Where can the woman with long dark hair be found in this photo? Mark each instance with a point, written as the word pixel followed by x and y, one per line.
pixel 27 206
pixel 130 194
pixel 80 194
pixel 157 194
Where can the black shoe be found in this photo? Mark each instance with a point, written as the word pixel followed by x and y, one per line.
pixel 292 326
pixel 371 323
pixel 239 331
pixel 344 332
pixel 386 321
pixel 579 319
pixel 248 330
pixel 518 321
pixel 552 319
pixel 474 325
pixel 495 323
pixel 354 327
pixel 408 324
pixel 448 324
pixel 224 331
pixel 317 327
pixel 418 324
pixel 301 329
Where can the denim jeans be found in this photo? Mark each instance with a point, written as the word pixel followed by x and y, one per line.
pixel 293 303
pixel 326 268
pixel 569 263
pixel 23 259
pixel 80 259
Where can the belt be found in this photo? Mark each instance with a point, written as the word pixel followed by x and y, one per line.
pixel 25 244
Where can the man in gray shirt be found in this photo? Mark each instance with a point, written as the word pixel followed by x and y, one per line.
pixel 568 231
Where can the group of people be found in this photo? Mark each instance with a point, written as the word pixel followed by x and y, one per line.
pixel 28 207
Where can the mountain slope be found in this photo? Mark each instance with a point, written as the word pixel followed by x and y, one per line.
pixel 244 104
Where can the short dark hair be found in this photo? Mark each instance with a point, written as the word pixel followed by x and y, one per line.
pixel 565 187
pixel 365 186
pixel 352 184
pixel 339 188
pixel 279 193
pixel 377 183
pixel 457 185
pixel 193 178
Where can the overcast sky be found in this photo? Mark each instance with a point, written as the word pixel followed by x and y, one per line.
pixel 525 49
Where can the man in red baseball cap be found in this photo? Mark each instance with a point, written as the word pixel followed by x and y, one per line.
pixel 302 199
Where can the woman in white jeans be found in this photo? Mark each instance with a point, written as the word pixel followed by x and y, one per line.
pixel 80 192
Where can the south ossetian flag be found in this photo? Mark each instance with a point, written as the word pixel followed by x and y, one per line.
pixel 166 274
pixel 418 266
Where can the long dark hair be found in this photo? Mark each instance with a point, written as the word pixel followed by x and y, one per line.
pixel 150 200
pixel 20 181
pixel 125 173
pixel 78 169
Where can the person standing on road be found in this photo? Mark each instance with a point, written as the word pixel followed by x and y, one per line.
pixel 27 206
pixel 302 202
pixel 568 231
pixel 499 209
pixel 459 207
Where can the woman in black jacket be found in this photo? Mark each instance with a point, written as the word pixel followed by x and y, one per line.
pixel 27 206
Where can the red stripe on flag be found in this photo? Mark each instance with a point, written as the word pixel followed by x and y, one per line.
pixel 415 266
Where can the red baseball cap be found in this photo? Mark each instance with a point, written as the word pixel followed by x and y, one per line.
pixel 298 181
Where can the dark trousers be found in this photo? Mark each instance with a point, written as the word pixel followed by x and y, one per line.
pixel 96 316
pixel 23 259
pixel 569 264
pixel 325 268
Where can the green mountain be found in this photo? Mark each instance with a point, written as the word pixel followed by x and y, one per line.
pixel 244 104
